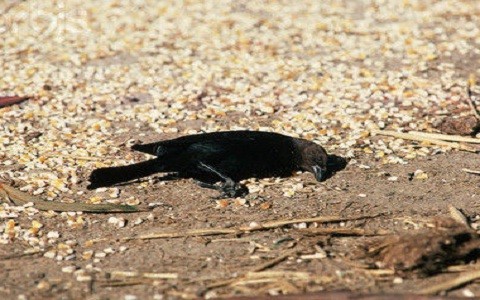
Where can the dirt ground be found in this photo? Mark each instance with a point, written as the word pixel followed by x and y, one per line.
pixel 404 205
pixel 101 75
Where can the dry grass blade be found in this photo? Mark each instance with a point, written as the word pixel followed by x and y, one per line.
pixel 344 232
pixel 449 284
pixel 253 281
pixel 414 137
pixel 220 284
pixel 122 274
pixel 463 268
pixel 279 274
pixel 243 229
pixel 262 275
pixel 473 108
pixel 20 198
pixel 186 233
pixel 78 157
pixel 116 283
pixel 273 262
pixel 322 219
pixel 379 272
pixel 24 253
pixel 471 171
pixel 446 137
pixel 89 158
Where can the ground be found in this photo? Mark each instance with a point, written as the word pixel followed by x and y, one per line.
pixel 103 75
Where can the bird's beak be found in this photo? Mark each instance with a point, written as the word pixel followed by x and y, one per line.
pixel 319 172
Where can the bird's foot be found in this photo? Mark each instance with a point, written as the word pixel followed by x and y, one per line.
pixel 227 189
pixel 232 189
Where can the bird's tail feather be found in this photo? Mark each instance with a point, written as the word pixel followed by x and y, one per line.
pixel 103 177
pixel 146 148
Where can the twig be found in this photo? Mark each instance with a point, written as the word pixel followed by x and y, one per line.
pixel 187 233
pixel 446 137
pixel 409 136
pixel 20 198
pixel 219 284
pixel 344 231
pixel 181 295
pixel 250 274
pixel 116 274
pixel 6 101
pixel 473 108
pixel 449 284
pixel 123 283
pixel 253 281
pixel 236 240
pixel 378 272
pixel 244 229
pixel 71 156
pixel 322 219
pixel 279 274
pixel 463 268
pixel 471 171
pixel 24 253
pixel 273 262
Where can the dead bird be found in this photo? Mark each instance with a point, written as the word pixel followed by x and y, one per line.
pixel 226 157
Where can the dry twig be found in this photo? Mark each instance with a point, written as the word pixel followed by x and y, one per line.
pixel 6 101
pixel 22 254
pixel 449 284
pixel 463 268
pixel 244 229
pixel 251 274
pixel 75 157
pixel 471 171
pixel 275 261
pixel 122 274
pixel 414 137
pixel 344 231
pixel 446 137
pixel 20 198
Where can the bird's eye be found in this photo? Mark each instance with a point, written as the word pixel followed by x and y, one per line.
pixel 159 150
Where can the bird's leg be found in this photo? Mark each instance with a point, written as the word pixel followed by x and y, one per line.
pixel 208 185
pixel 229 188
pixel 208 168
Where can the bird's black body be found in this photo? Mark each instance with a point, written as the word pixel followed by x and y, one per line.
pixel 228 156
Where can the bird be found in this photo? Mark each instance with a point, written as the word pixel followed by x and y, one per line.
pixel 220 160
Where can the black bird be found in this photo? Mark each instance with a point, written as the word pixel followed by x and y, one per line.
pixel 225 157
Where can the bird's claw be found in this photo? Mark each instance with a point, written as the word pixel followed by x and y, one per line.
pixel 231 189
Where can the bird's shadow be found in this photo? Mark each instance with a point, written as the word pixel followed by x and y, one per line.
pixel 335 163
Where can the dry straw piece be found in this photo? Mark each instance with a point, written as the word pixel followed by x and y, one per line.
pixel 256 227
pixel 20 198
pixel 423 138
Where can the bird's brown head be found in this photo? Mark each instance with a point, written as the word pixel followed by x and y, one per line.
pixel 313 159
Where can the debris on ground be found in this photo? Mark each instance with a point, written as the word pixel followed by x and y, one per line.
pixel 11 100
pixel 428 250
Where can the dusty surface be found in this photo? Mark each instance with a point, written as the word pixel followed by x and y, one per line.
pixel 105 74
pixel 201 261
